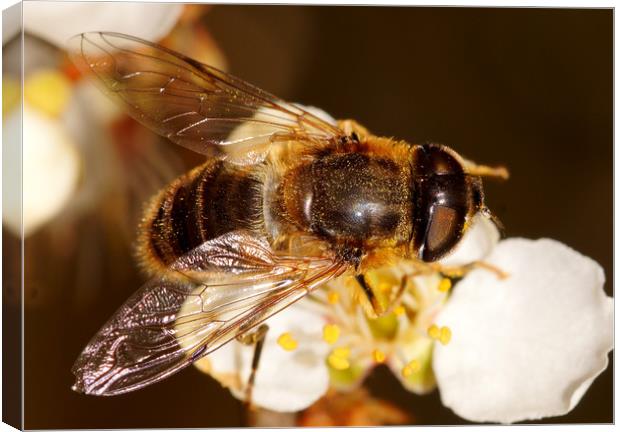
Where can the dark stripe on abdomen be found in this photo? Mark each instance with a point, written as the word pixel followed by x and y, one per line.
pixel 209 201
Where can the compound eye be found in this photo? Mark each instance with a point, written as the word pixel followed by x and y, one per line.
pixel 443 232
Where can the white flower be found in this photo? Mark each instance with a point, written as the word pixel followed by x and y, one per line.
pixel 51 169
pixel 528 346
pixel 292 375
pixel 500 349
pixel 11 154
pixel 524 347
pixel 50 159
pixel 347 343
pixel 56 22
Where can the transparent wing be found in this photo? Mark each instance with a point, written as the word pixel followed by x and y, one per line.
pixel 192 104
pixel 218 291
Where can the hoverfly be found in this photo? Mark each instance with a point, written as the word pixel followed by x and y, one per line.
pixel 266 219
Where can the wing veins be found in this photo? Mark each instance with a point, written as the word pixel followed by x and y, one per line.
pixel 256 93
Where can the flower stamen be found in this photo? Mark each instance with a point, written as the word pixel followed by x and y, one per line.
pixel 445 285
pixel 333 297
pixel 378 356
pixel 287 342
pixel 385 287
pixel 399 310
pixel 434 332
pixel 331 333
pixel 445 335
pixel 410 368
pixel 339 358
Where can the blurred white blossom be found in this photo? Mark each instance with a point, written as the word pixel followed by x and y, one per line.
pixel 56 22
pixel 51 156
pixel 51 168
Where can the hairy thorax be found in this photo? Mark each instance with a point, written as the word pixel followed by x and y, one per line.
pixel 353 199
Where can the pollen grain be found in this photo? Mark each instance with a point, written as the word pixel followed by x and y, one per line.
pixel 434 332
pixel 339 358
pixel 445 285
pixel 410 368
pixel 331 333
pixel 333 297
pixel 287 342
pixel 445 334
pixel 378 356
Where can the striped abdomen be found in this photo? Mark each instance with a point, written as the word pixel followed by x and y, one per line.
pixel 209 201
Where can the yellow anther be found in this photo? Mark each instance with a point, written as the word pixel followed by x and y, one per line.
pixel 399 310
pixel 339 358
pixel 333 297
pixel 445 335
pixel 338 363
pixel 410 368
pixel 385 287
pixel 11 94
pixel 434 332
pixel 343 352
pixel 47 90
pixel 378 356
pixel 445 285
pixel 331 333
pixel 351 283
pixel 287 342
pixel 454 273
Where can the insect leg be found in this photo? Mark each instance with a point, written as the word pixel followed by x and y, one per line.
pixel 501 274
pixel 453 272
pixel 256 338
pixel 461 271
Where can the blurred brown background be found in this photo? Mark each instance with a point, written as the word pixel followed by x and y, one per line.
pixel 529 88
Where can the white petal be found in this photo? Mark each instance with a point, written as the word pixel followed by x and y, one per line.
pixel 253 129
pixel 51 168
pixel 419 349
pixel 478 242
pixel 319 113
pixel 528 346
pixel 11 172
pixel 286 381
pixel 56 22
pixel 11 22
